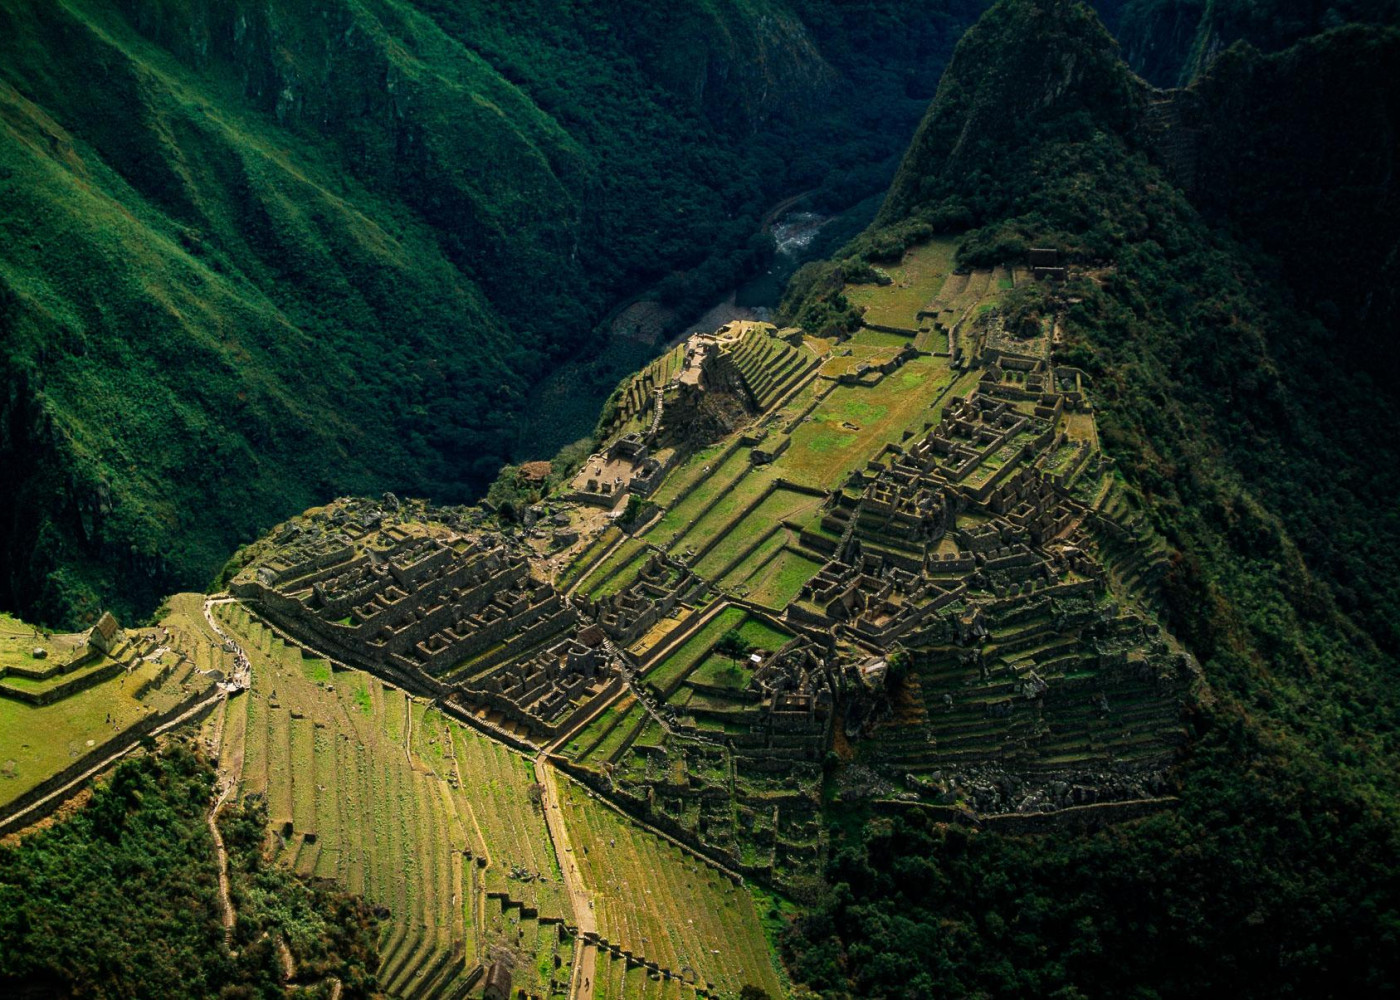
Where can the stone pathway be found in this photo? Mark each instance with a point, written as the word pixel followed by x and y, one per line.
pixel 585 953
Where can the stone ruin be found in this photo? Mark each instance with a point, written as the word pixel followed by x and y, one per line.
pixel 660 584
pixel 982 558
pixel 968 548
pixel 459 615
pixel 627 466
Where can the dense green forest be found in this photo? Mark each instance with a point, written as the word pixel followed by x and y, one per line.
pixel 253 257
pixel 121 900
pixel 1268 461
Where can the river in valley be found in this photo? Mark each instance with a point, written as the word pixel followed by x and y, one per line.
pixel 565 405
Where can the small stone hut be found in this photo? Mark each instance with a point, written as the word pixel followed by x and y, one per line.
pixel 105 634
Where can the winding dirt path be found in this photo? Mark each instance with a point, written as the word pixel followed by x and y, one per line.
pixel 228 775
pixel 227 915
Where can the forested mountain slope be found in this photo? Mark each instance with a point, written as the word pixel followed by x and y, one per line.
pixel 1266 457
pixel 1297 152
pixel 254 256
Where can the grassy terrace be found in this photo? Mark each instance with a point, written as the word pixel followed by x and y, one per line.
pixel 979 283
pixel 772 542
pixel 689 472
pixel 736 537
pixel 604 743
pixel 634 404
pixel 598 726
pixel 36 742
pixel 586 559
pixel 725 509
pixel 721 671
pixel 917 279
pixel 770 367
pixel 678 519
pixel 79 677
pixel 538 948
pixel 778 578
pixel 616 571
pixel 878 339
pixel 661 903
pixel 783 419
pixel 658 632
pixel 855 353
pixel 667 673
pixel 614 980
pixel 1073 729
pixel 853 422
pixel 677 666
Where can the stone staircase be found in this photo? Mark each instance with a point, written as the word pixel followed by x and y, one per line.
pixel 659 397
pixel 1175 143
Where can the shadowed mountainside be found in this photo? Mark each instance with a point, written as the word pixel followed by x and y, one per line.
pixel 1266 460
pixel 252 257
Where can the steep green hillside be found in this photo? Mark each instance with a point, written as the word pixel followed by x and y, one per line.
pixel 255 256
pixel 1297 152
pixel 1267 460
pixel 122 900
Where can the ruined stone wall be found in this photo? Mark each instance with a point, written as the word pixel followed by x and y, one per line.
pixel 316 569
pixel 524 640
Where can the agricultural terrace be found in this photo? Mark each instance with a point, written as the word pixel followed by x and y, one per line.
pixel 770 367
pixel 629 407
pixel 693 470
pixel 915 281
pixel 739 521
pixel 542 946
pixel 616 978
pixel 930 483
pixel 715 483
pixel 863 495
pixel 609 732
pixel 611 573
pixel 72 702
pixel 394 800
pixel 733 519
pixel 675 663
pixel 664 905
pixel 720 670
pixel 588 557
pixel 774 572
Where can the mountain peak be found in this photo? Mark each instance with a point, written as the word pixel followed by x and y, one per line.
pixel 1024 68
